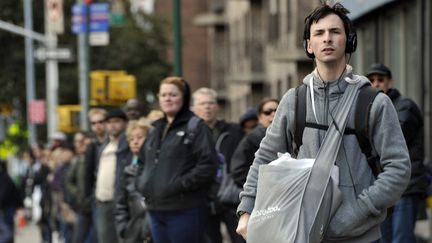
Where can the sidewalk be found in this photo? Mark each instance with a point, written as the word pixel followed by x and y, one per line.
pixel 30 233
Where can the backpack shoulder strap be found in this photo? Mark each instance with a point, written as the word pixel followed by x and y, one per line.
pixel 191 129
pixel 362 113
pixel 300 116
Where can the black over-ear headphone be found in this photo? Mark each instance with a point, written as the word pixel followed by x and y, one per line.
pixel 351 43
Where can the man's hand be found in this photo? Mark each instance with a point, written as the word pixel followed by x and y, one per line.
pixel 242 225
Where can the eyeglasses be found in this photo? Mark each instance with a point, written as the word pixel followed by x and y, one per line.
pixel 209 103
pixel 97 122
pixel 269 112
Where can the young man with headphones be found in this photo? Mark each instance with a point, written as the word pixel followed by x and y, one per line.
pixel 329 38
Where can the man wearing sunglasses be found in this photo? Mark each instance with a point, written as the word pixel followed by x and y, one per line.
pixel 97 118
pixel 399 227
pixel 245 152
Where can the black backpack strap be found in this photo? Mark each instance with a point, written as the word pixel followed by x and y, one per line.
pixel 191 129
pixel 364 103
pixel 300 116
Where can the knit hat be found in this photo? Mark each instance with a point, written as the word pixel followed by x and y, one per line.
pixel 250 114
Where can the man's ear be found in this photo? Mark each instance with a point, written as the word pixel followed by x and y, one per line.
pixel 309 48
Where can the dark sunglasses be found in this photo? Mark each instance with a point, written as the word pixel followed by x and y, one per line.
pixel 268 112
pixel 379 80
pixel 97 122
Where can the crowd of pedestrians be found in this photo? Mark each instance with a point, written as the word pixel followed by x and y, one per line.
pixel 172 176
pixel 137 176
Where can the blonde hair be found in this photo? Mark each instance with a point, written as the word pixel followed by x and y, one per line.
pixel 94 111
pixel 155 115
pixel 143 123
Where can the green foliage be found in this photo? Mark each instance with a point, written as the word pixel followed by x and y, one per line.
pixel 138 47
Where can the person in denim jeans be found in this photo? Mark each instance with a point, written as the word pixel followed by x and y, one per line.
pixel 400 225
pixel 178 168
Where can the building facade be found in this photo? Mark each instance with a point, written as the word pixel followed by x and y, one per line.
pixel 194 40
pixel 398 34
pixel 256 48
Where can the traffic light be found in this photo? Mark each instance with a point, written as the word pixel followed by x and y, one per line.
pixel 112 88
pixel 68 118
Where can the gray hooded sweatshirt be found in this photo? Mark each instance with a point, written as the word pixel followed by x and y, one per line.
pixel 365 200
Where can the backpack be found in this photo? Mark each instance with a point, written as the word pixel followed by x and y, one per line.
pixel 364 103
pixel 191 129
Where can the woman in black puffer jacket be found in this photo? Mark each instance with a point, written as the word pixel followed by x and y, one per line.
pixel 245 152
pixel 180 166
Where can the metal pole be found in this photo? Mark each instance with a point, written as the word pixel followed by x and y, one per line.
pixel 83 71
pixel 52 77
pixel 22 31
pixel 178 69
pixel 30 74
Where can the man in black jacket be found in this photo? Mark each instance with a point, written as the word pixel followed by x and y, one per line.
pixel 225 192
pixel 10 200
pixel 97 118
pixel 399 227
pixel 113 157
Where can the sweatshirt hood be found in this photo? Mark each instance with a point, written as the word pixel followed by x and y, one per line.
pixel 336 87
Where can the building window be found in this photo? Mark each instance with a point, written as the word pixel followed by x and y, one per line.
pixel 393 46
pixel 412 80
pixel 365 54
pixel 288 14
pixel 273 21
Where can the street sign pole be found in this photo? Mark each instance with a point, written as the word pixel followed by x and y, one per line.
pixel 178 69
pixel 52 77
pixel 30 74
pixel 83 70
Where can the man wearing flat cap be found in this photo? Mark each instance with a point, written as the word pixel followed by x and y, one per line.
pixel 399 226
pixel 114 155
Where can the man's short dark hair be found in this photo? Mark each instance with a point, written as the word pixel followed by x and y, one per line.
pixel 323 11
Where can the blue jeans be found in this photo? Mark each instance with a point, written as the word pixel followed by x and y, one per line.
pixel 105 222
pixel 178 226
pixel 399 227
pixel 83 229
pixel 6 233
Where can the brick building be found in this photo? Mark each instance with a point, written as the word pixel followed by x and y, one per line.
pixel 194 40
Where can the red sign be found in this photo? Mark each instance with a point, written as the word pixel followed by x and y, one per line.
pixel 37 112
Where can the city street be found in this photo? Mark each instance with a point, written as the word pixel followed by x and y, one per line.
pixel 145 119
